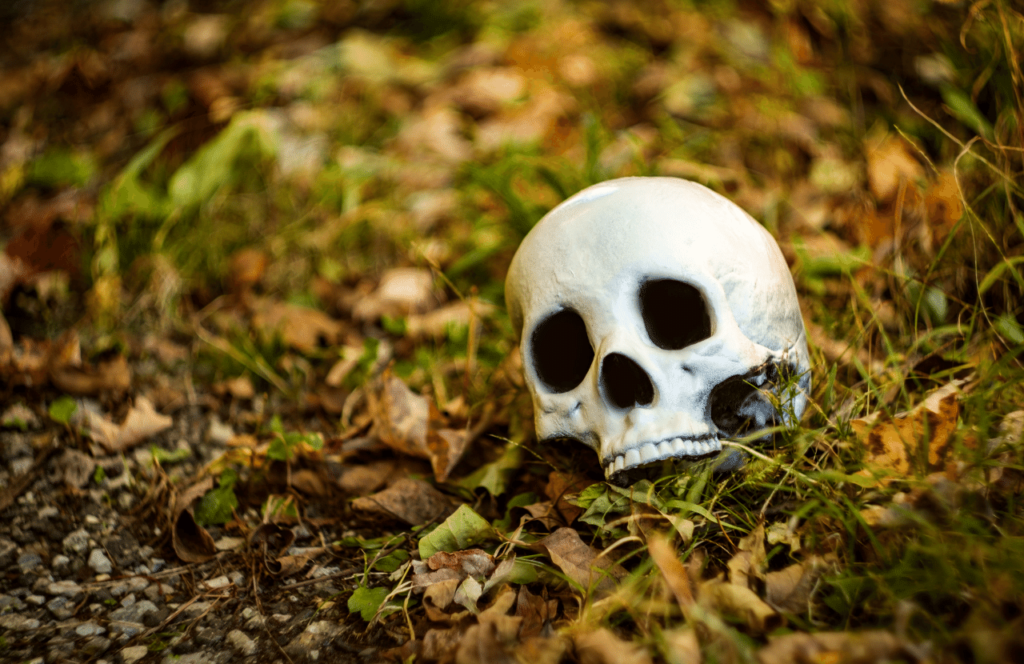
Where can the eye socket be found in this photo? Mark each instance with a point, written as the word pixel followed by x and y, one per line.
pixel 675 313
pixel 561 350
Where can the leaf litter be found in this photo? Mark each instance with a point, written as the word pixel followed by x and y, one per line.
pixel 300 237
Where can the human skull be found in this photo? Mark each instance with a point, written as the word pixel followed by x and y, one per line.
pixel 655 317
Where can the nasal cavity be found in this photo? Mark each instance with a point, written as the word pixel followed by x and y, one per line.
pixel 625 384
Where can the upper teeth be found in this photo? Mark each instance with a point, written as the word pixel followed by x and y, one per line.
pixel 677 447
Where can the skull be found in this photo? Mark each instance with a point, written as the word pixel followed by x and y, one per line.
pixel 655 317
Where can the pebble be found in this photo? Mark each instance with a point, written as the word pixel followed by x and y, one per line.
pixel 62 608
pixel 77 541
pixel 127 628
pixel 66 588
pixel 9 603
pixel 18 623
pixel 29 561
pixel 36 600
pixel 99 562
pixel 134 612
pixel 218 582
pixel 92 519
pixel 96 645
pixel 132 654
pixel 89 629
pixel 242 644
pixel 7 551
pixel 48 512
pixel 60 562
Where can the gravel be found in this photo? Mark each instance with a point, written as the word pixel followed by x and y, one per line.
pixel 88 571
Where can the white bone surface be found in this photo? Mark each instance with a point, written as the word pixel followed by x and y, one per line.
pixel 594 252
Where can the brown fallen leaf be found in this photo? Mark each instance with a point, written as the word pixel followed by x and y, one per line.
pixel 536 611
pixel 847 647
pixel 563 486
pixel 302 328
pixel 579 561
pixel 141 423
pixel 672 570
pixel 893 444
pixel 408 422
pixel 192 542
pixel 412 501
pixel 741 602
pixel 364 479
pixel 400 416
pixel 437 597
pixel 444 566
pixel 790 589
pixel 439 644
pixel 85 379
pixel 889 163
pixel 750 561
pixel 495 636
pixel 603 647
pixel 402 291
pixel 681 646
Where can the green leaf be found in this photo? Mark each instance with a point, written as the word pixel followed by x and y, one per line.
pixel 495 476
pixel 170 456
pixel 460 531
pixel 63 409
pixel 964 110
pixel 366 601
pixel 61 167
pixel 99 475
pixel 218 504
pixel 1008 327
pixel 392 561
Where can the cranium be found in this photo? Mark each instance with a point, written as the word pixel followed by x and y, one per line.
pixel 655 317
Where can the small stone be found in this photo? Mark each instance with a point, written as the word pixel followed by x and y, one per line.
pixel 10 603
pixel 77 541
pixel 48 512
pixel 89 629
pixel 62 608
pixel 96 645
pixel 281 617
pixel 196 609
pixel 60 562
pixel 99 562
pixel 67 588
pixel 135 612
pixel 28 561
pixel 242 644
pixel 248 612
pixel 218 582
pixel 18 623
pixel 7 551
pixel 127 628
pixel 237 578
pixel 92 519
pixel 158 564
pixel 132 654
pixel 36 600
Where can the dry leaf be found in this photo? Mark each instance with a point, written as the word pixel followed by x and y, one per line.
pixel 302 328
pixel 245 269
pixel 893 444
pixel 889 162
pixel 437 597
pixel 580 562
pixel 437 323
pixel 739 601
pixel 790 589
pixel 672 570
pixel 412 501
pixel 603 647
pixel 141 423
pixel 846 647
pixel 536 612
pixel 495 638
pixel 750 561
pixel 563 486
pixel 192 542
pixel 84 379
pixel 364 479
pixel 406 422
pixel 402 291
pixel 400 417
pixel 681 646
